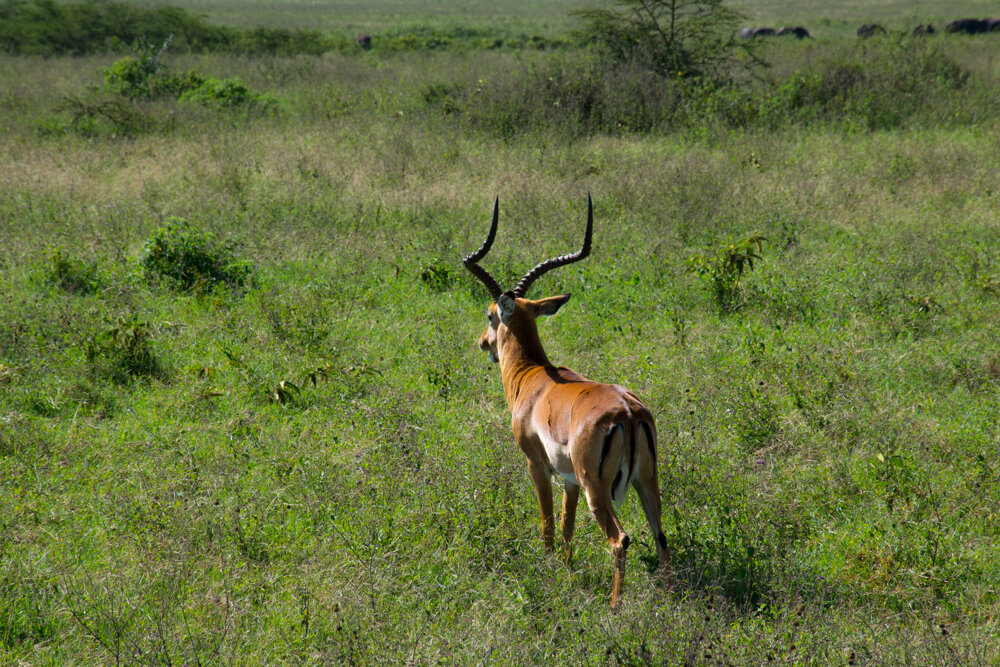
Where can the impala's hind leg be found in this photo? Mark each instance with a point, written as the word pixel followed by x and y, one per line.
pixel 571 496
pixel 647 486
pixel 604 513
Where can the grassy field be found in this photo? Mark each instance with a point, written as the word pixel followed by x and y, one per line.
pixel 304 458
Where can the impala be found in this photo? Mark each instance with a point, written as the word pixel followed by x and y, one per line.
pixel 598 437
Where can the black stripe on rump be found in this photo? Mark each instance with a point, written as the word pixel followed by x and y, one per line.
pixel 649 438
pixel 631 449
pixel 614 484
pixel 605 448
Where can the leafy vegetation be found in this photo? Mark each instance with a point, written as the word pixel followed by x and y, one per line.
pixel 188 258
pixel 124 351
pixel 146 77
pixel 228 94
pixel 723 271
pixel 71 274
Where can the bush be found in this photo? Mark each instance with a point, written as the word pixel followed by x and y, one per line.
pixel 723 271
pixel 188 258
pixel 138 77
pixel 146 77
pixel 70 274
pixel 125 351
pixel 120 112
pixel 229 94
pixel 876 86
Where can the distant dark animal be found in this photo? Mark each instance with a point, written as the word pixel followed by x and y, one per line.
pixel 870 30
pixel 364 41
pixel 968 26
pixel 798 31
pixel 923 29
pixel 993 26
pixel 753 33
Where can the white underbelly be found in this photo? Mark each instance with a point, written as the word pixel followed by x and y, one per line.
pixel 559 459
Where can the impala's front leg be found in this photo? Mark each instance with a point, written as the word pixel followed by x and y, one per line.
pixel 543 488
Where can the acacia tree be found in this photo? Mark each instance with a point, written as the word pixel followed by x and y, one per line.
pixel 686 38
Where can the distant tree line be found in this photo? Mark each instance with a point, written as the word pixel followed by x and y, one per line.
pixel 47 27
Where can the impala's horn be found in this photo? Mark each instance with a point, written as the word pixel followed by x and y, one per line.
pixel 471 261
pixel 531 276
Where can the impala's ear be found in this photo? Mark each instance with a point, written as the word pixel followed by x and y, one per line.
pixel 549 305
pixel 505 304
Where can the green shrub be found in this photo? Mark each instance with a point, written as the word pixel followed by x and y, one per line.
pixel 229 94
pixel 723 271
pixel 725 102
pixel 188 258
pixel 136 77
pixel 125 351
pixel 130 78
pixel 69 274
pixel 875 86
pixel 145 77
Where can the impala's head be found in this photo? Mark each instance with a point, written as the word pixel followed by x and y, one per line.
pixel 511 314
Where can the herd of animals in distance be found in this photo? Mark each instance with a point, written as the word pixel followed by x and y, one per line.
pixel 958 26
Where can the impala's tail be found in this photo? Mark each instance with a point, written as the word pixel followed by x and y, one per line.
pixel 618 459
pixel 624 449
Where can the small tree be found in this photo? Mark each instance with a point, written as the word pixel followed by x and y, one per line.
pixel 686 38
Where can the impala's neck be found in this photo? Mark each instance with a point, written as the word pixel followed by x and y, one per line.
pixel 520 351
